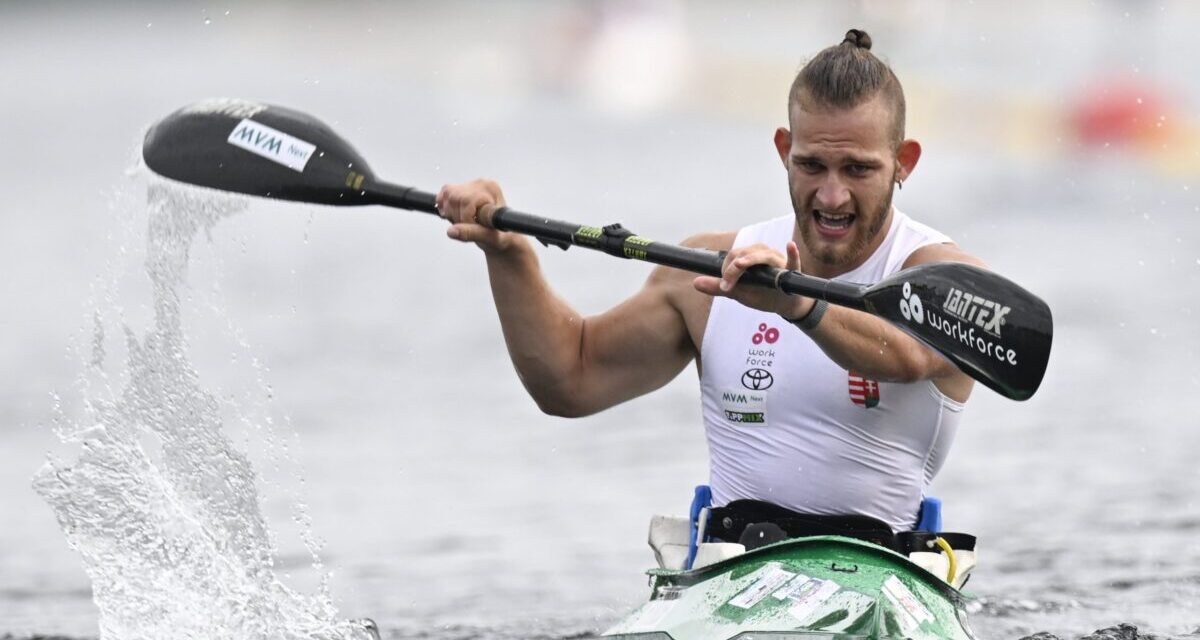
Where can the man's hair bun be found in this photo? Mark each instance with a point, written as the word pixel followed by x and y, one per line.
pixel 858 38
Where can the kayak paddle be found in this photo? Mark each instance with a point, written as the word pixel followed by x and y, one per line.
pixel 991 328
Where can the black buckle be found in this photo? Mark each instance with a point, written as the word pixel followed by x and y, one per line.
pixel 613 239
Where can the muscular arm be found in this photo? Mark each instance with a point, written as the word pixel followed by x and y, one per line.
pixel 572 365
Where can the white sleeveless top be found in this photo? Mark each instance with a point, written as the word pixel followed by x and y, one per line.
pixel 787 425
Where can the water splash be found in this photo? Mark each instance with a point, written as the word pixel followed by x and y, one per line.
pixel 161 506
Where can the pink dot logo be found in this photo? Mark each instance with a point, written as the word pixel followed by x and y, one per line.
pixel 768 334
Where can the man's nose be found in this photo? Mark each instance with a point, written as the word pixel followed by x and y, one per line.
pixel 832 194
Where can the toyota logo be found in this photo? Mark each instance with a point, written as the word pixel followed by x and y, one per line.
pixel 757 379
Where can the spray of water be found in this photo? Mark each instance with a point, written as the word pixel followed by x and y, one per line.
pixel 162 507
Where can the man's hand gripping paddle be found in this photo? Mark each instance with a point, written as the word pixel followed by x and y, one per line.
pixel 995 331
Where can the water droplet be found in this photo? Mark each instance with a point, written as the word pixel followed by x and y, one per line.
pixel 208 21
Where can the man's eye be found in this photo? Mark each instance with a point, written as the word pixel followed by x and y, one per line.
pixel 808 166
pixel 858 170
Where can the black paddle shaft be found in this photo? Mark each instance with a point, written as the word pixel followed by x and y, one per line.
pixel 617 241
pixel 991 328
pixel 967 316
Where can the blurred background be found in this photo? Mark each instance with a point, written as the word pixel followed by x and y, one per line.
pixel 1062 145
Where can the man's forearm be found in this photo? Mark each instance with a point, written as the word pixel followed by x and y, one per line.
pixel 541 331
pixel 871 347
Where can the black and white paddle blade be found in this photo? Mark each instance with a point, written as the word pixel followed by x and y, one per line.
pixel 987 325
pixel 257 149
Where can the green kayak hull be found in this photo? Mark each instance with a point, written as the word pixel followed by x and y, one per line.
pixel 805 588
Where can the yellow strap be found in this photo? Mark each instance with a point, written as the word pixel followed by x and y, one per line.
pixel 941 542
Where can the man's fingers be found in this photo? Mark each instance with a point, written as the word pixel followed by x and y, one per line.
pixel 460 232
pixel 739 260
pixel 459 204
pixel 793 256
pixel 483 215
pixel 440 201
pixel 709 285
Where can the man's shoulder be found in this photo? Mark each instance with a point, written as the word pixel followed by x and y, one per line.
pixel 676 284
pixel 931 245
pixel 682 279
pixel 942 252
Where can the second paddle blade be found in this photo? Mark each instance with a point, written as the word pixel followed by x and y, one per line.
pixel 259 150
pixel 988 326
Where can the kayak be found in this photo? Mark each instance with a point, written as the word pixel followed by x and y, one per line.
pixel 826 587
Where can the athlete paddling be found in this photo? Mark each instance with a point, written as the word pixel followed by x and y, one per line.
pixel 822 410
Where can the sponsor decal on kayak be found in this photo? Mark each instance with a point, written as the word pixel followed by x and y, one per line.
pixel 771 577
pixel 909 611
pixel 786 590
pixel 744 407
pixel 272 144
pixel 808 597
pixel 231 107
pixel 957 328
pixel 840 612
pixel 864 392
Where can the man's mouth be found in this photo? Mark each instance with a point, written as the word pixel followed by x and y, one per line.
pixel 834 224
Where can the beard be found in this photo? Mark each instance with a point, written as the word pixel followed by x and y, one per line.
pixel 836 255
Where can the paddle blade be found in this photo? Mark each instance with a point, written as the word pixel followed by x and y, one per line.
pixel 991 328
pixel 257 149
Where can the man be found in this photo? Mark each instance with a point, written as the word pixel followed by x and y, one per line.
pixel 821 410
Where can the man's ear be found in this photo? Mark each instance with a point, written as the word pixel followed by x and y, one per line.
pixel 907 156
pixel 783 144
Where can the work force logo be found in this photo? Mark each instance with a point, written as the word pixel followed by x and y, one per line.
pixel 967 312
pixel 864 392
pixel 910 305
pixel 971 309
pixel 765 334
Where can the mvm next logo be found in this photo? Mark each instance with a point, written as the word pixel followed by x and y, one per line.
pixel 985 314
pixel 272 144
pixel 734 397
